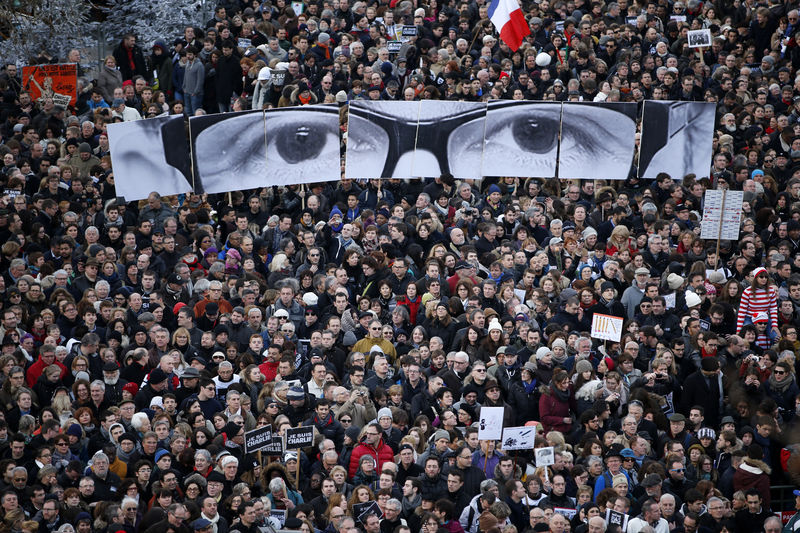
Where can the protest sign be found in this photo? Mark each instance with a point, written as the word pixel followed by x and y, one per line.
pixel 258 439
pixel 301 437
pixel 275 447
pixel 699 38
pixel 606 327
pixel 616 518
pixel 59 82
pixel 545 456
pixel 362 510
pixel 722 215
pixel 519 438
pixel 491 423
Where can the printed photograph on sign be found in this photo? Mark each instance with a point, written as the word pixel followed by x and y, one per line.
pixel 677 138
pixel 449 139
pixel 545 456
pixel 240 163
pixel 521 138
pixel 699 38
pixel 597 140
pixel 150 155
pixel 381 137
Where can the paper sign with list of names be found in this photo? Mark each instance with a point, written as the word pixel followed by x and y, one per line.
pixel 728 230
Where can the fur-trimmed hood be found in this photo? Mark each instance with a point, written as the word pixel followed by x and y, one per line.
pixel 587 390
pixel 280 469
pixel 755 466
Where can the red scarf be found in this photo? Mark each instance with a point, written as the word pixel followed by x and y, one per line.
pixel 130 58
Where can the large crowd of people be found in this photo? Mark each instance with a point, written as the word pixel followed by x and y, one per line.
pixel 142 340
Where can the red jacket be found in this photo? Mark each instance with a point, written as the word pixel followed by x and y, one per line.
pixel 382 454
pixel 36 370
pixel 552 413
pixel 269 369
pixel 413 307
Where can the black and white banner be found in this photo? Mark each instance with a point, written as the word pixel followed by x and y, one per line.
pixel 225 152
pixel 677 138
pixel 388 139
pixel 504 138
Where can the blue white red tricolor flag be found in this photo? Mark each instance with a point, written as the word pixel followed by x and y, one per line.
pixel 507 17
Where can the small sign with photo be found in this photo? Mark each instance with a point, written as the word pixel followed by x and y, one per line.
pixel 617 519
pixel 279 515
pixel 545 456
pixel 699 38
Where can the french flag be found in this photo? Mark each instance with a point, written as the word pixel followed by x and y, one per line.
pixel 507 17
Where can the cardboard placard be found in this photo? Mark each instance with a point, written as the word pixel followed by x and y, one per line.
pixel 301 437
pixel 394 46
pixel 491 423
pixel 244 43
pixel 519 438
pixel 545 456
pixel 606 327
pixel 409 31
pixel 258 439
pixel 59 82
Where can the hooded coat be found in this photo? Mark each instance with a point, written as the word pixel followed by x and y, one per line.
pixel 754 474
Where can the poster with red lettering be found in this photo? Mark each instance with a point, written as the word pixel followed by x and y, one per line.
pixel 59 82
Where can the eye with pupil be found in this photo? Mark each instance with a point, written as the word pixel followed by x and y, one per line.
pixel 299 145
pixel 534 135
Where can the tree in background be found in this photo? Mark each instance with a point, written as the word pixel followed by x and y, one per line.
pixel 151 20
pixel 43 31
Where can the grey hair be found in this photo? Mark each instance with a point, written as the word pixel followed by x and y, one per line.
pixel 394 502
pixel 277 485
pixel 98 383
pixel 205 453
pixel 488 484
pixel 26 422
pixel 100 456
pixel 202 285
pixel 138 420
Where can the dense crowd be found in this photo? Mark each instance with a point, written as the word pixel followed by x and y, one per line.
pixel 142 340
